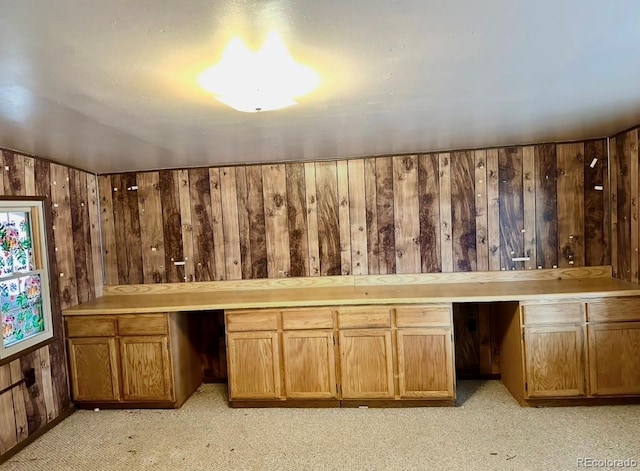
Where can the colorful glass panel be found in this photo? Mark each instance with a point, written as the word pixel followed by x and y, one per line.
pixel 16 246
pixel 21 308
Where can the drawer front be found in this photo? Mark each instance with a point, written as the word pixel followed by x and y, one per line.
pixel 553 313
pixel 360 318
pixel 614 310
pixel 142 324
pixel 247 321
pixel 302 319
pixel 90 326
pixel 423 316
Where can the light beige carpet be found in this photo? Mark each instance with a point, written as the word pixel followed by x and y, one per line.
pixel 489 431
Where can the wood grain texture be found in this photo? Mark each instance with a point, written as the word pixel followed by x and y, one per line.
pixel 13 173
pixel 171 224
pixel 217 224
pixel 623 206
pixel 8 435
pixel 151 233
pixel 120 226
pixel 529 207
pixel 493 209
pixel 94 227
pixel 19 410
pixel 481 203
pixel 358 218
pixel 511 206
pixel 33 398
pixel 81 230
pixel 613 185
pixel 328 222
pixel 184 188
pixel 230 227
pixel 429 212
pixel 406 212
pixel 274 180
pixel 30 176
pixel 244 225
pixel 297 220
pixel 446 234
pixel 570 204
pixel 596 230
pixel 463 211
pixel 311 199
pixel 371 208
pixel 109 251
pixel 546 206
pixel 257 222
pixel 201 224
pixel 386 230
pixel 633 219
pixel 43 361
pixel 344 218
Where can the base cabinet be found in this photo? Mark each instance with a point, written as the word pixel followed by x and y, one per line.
pixel 131 360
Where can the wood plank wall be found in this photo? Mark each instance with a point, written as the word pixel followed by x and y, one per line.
pixel 73 198
pixel 625 231
pixel 424 213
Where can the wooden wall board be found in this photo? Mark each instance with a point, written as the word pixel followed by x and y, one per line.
pixel 570 190
pixel 358 218
pixel 109 248
pixel 371 210
pixel 13 173
pixel 328 222
pixel 297 219
pixel 633 219
pixel 463 211
pixel 184 188
pixel 131 207
pixel 118 197
pixel 244 226
pixel 386 229
pixel 481 206
pixel 406 212
pixel 311 200
pixel 429 212
pixel 493 209
pixel 613 195
pixel 257 236
pixel 8 435
pixel 344 224
pixel 33 398
pixel 596 229
pixel 171 225
pixel 19 410
pixel 230 226
pixel 529 207
pixel 219 268
pixel 151 232
pixel 81 230
pixel 546 172
pixel 446 234
pixel 30 176
pixel 274 181
pixel 511 207
pixel 201 224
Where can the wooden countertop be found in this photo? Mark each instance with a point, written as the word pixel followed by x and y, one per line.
pixel 358 295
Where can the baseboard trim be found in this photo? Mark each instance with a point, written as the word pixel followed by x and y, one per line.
pixel 35 435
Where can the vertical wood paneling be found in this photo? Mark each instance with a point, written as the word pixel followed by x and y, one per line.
pixel 109 251
pixel 43 361
pixel 546 206
pixel 134 269
pixel 230 228
pixel 493 209
pixel 171 224
pixel 94 222
pixel 30 176
pixel 244 226
pixel 482 236
pixel 312 218
pixel 33 398
pixel 358 218
pixel 328 222
pixel 633 175
pixel 81 230
pixel 8 436
pixel 511 206
pixel 446 234
pixel 529 205
pixel 406 212
pixel 201 224
pixel 463 214
pixel 63 235
pixel 371 208
pixel 13 173
pixel 570 204
pixel 184 188
pixel 19 410
pixel 257 222
pixel 297 220
pixel 216 224
pixel 429 212
pixel 344 218
pixel 613 185
pixel 386 230
pixel 120 227
pixel 151 233
pixel 623 203
pixel 595 200
pixel 274 180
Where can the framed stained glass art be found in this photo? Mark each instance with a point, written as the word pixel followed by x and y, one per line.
pixel 25 309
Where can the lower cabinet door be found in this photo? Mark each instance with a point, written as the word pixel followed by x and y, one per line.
pixel 146 368
pixel 425 363
pixel 614 358
pixel 366 364
pixel 94 370
pixel 554 361
pixel 309 364
pixel 254 365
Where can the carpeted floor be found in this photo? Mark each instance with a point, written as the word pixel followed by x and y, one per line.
pixel 488 431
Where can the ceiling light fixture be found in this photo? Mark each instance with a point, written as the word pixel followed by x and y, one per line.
pixel 267 79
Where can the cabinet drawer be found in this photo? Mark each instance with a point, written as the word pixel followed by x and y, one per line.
pixel 245 321
pixel 556 313
pixel 423 316
pixel 302 319
pixel 614 309
pixel 155 324
pixel 90 326
pixel 358 318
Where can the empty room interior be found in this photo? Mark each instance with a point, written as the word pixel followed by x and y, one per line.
pixel 357 235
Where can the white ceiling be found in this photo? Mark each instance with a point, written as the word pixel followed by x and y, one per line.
pixel 110 86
